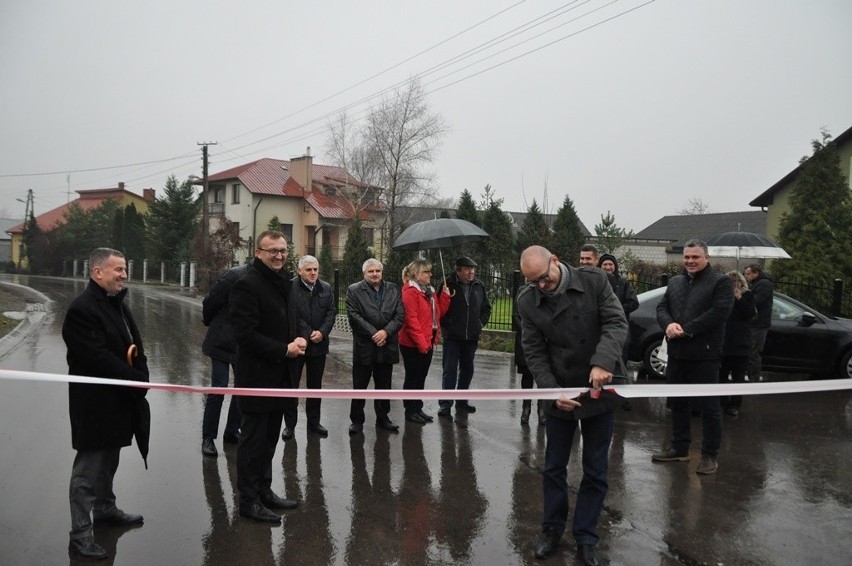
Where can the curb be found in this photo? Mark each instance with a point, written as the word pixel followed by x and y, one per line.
pixel 38 305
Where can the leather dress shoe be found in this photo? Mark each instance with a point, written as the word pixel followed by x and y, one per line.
pixel 208 447
pixel 318 429
pixel 588 555
pixel 86 549
pixel 387 424
pixel 231 438
pixel 287 434
pixel 426 417
pixel 547 543
pixel 415 418
pixel 466 407
pixel 356 428
pixel 273 501
pixel 257 512
pixel 118 518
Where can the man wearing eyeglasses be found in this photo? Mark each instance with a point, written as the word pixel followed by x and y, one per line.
pixel 573 329
pixel 263 317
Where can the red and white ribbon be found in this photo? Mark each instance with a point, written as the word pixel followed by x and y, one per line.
pixel 631 391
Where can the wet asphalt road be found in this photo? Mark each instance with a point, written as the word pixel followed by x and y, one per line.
pixel 444 493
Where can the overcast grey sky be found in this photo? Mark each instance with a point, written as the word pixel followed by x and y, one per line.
pixel 635 108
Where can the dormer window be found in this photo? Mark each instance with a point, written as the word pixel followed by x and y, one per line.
pixel 331 191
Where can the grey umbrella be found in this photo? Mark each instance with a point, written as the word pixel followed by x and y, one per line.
pixel 744 245
pixel 439 233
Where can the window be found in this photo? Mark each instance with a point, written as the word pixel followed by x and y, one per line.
pixel 368 235
pixel 218 193
pixel 287 229
pixel 235 195
pixel 330 191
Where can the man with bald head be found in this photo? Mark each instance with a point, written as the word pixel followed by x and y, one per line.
pixel 573 331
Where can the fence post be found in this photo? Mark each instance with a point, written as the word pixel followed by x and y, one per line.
pixel 144 271
pixel 336 291
pixel 837 298
pixel 516 284
pixel 664 280
pixel 163 275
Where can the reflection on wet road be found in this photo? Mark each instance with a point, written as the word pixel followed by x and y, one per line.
pixel 446 493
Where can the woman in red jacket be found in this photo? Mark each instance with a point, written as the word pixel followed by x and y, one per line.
pixel 420 331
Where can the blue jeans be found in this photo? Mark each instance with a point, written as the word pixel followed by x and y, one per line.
pixel 695 371
pixel 597 436
pixel 213 404
pixel 458 367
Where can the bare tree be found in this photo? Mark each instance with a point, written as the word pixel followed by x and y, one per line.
pixel 347 148
pixel 405 135
pixel 695 205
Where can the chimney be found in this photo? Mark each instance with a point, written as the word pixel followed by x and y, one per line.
pixel 301 169
pixel 121 185
pixel 149 195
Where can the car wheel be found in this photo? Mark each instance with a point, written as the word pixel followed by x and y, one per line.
pixel 655 367
pixel 845 368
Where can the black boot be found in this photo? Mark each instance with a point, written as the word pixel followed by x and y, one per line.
pixel 525 412
pixel 541 415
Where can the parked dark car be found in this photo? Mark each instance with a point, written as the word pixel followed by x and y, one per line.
pixel 800 340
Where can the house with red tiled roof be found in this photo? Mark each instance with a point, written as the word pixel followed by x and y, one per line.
pixel 88 199
pixel 314 203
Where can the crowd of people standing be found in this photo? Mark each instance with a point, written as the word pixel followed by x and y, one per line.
pixel 270 327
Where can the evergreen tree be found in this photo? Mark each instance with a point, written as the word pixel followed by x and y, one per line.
pixel 355 253
pixel 274 224
pixel 609 235
pixel 84 230
pixel 498 251
pixel 326 263
pixel 817 229
pixel 568 234
pixel 134 233
pixel 172 221
pixel 534 230
pixel 467 208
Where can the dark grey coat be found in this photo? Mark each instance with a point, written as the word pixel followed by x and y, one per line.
pixel 564 335
pixel 701 305
pixel 97 338
pixel 219 341
pixel 366 317
pixel 264 322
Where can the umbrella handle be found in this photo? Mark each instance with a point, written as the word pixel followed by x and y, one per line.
pixel 132 352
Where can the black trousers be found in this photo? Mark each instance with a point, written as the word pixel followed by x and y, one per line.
pixel 313 379
pixel 381 375
pixel 258 438
pixel 416 370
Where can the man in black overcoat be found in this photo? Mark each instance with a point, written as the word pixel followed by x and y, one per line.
pixel 264 322
pixel 99 331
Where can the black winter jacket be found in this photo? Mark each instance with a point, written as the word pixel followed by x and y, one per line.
pixel 219 341
pixel 701 305
pixel 315 310
pixel 264 322
pixel 737 329
pixel 95 331
pixel 465 319
pixel 764 293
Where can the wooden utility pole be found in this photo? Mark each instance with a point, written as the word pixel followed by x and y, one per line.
pixel 205 222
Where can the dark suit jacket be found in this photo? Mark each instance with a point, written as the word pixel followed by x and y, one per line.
pixel 264 322
pixel 98 330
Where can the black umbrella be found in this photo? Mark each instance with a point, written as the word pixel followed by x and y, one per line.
pixel 142 426
pixel 744 244
pixel 439 233
pixel 141 418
